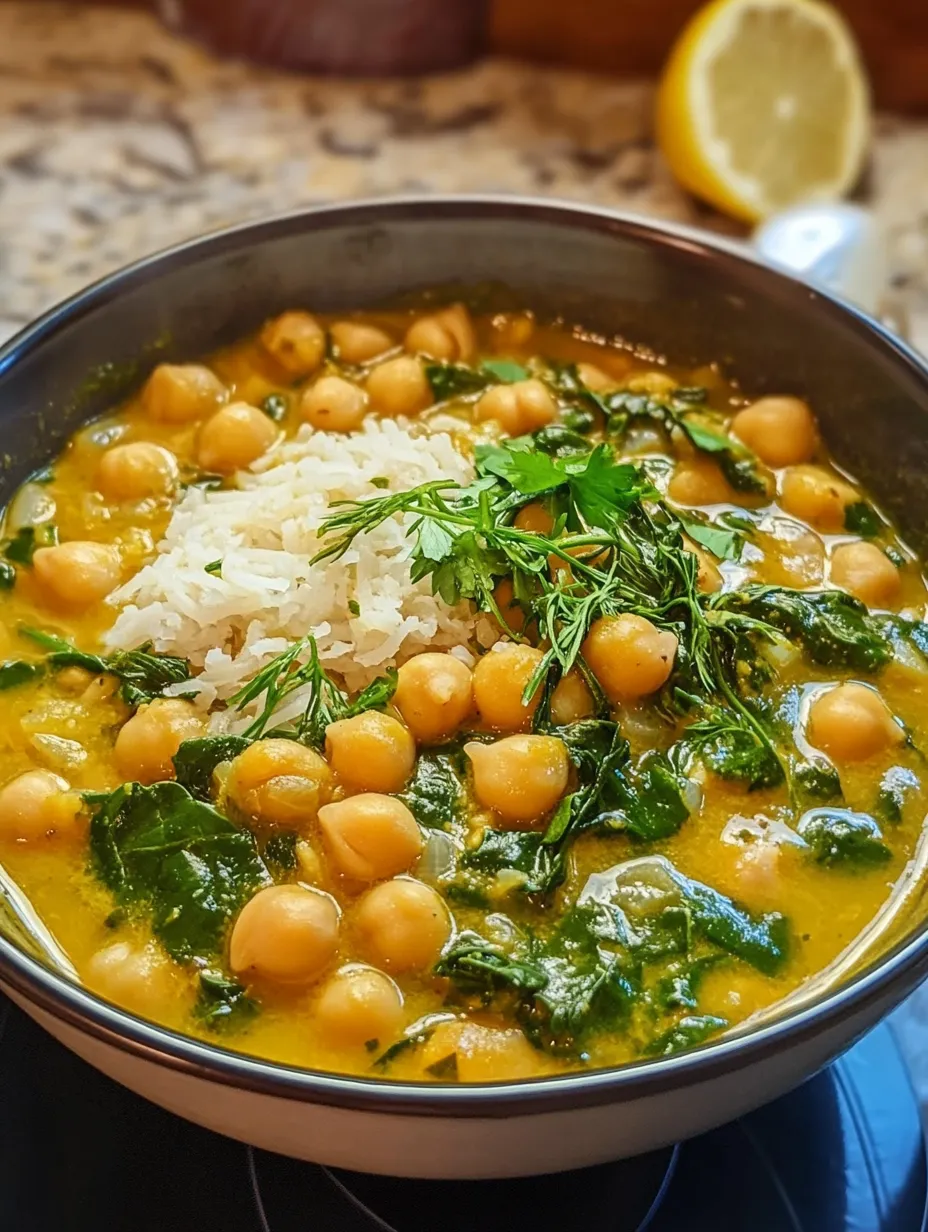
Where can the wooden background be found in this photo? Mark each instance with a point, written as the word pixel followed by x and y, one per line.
pixel 625 37
pixel 633 36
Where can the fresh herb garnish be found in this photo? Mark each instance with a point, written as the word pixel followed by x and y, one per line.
pixel 326 702
pixel 214 567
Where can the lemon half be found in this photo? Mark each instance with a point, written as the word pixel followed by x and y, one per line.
pixel 763 104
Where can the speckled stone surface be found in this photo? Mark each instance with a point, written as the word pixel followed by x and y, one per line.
pixel 117 138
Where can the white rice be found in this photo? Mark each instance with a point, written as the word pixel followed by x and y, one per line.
pixel 268 595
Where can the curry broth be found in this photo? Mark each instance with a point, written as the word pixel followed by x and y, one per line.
pixel 826 907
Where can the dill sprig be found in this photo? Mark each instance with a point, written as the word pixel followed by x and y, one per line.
pixel 286 673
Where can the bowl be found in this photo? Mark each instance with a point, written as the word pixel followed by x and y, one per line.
pixel 669 288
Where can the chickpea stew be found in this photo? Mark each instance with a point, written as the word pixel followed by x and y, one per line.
pixel 611 740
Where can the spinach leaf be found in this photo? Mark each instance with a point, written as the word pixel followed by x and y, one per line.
pixel 17 671
pixel 835 629
pixel 584 405
pixel 860 518
pixel 448 381
pixel 222 1003
pixel 689 1031
pixel 505 370
pixel 279 852
pixel 275 407
pixel 731 748
pixel 840 837
pixel 694 911
pixel 895 787
pixel 646 800
pixel 724 542
pixel 435 793
pixel 191 868
pixel 762 941
pixel 817 779
pixel 560 989
pixel 560 440
pixel 196 760
pixel 22 547
pixel 499 849
pixel 142 674
pixel 482 968
pixel 677 990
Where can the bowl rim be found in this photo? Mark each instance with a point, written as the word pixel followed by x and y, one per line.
pixel 77 1007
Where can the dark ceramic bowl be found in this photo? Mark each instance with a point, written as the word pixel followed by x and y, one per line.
pixel 694 299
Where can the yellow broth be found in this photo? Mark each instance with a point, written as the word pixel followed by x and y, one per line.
pixel 827 907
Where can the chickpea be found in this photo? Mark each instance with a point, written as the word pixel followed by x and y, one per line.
pixel 595 378
pixel 535 519
pixel 571 699
pixel 334 404
pixel 370 836
pixel 520 777
pixel 180 393
pixel 866 572
pixel 434 694
pixel 371 751
pixel 279 781
pixel 520 407
pixel 148 741
pixel 399 387
pixel 500 678
pixel 816 496
pixel 629 656
pixel 37 805
pixel 699 481
pixel 77 574
pixel 358 1005
pixel 137 978
pixel 357 343
pixel 447 335
pixel 402 925
pixel 297 341
pixel 135 471
pixel 508 605
pixel 482 1053
pixel 234 438
pixel 851 722
pixel 781 431
pixel 287 934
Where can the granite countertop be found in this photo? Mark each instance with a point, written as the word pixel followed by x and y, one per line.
pixel 117 139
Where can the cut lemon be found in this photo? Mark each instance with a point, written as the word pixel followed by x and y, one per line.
pixel 763 104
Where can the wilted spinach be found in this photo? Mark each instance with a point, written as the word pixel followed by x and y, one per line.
pixel 840 837
pixel 159 849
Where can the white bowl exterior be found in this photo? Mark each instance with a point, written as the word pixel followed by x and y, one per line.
pixel 454 1147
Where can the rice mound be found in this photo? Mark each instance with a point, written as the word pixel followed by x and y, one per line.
pixel 264 531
